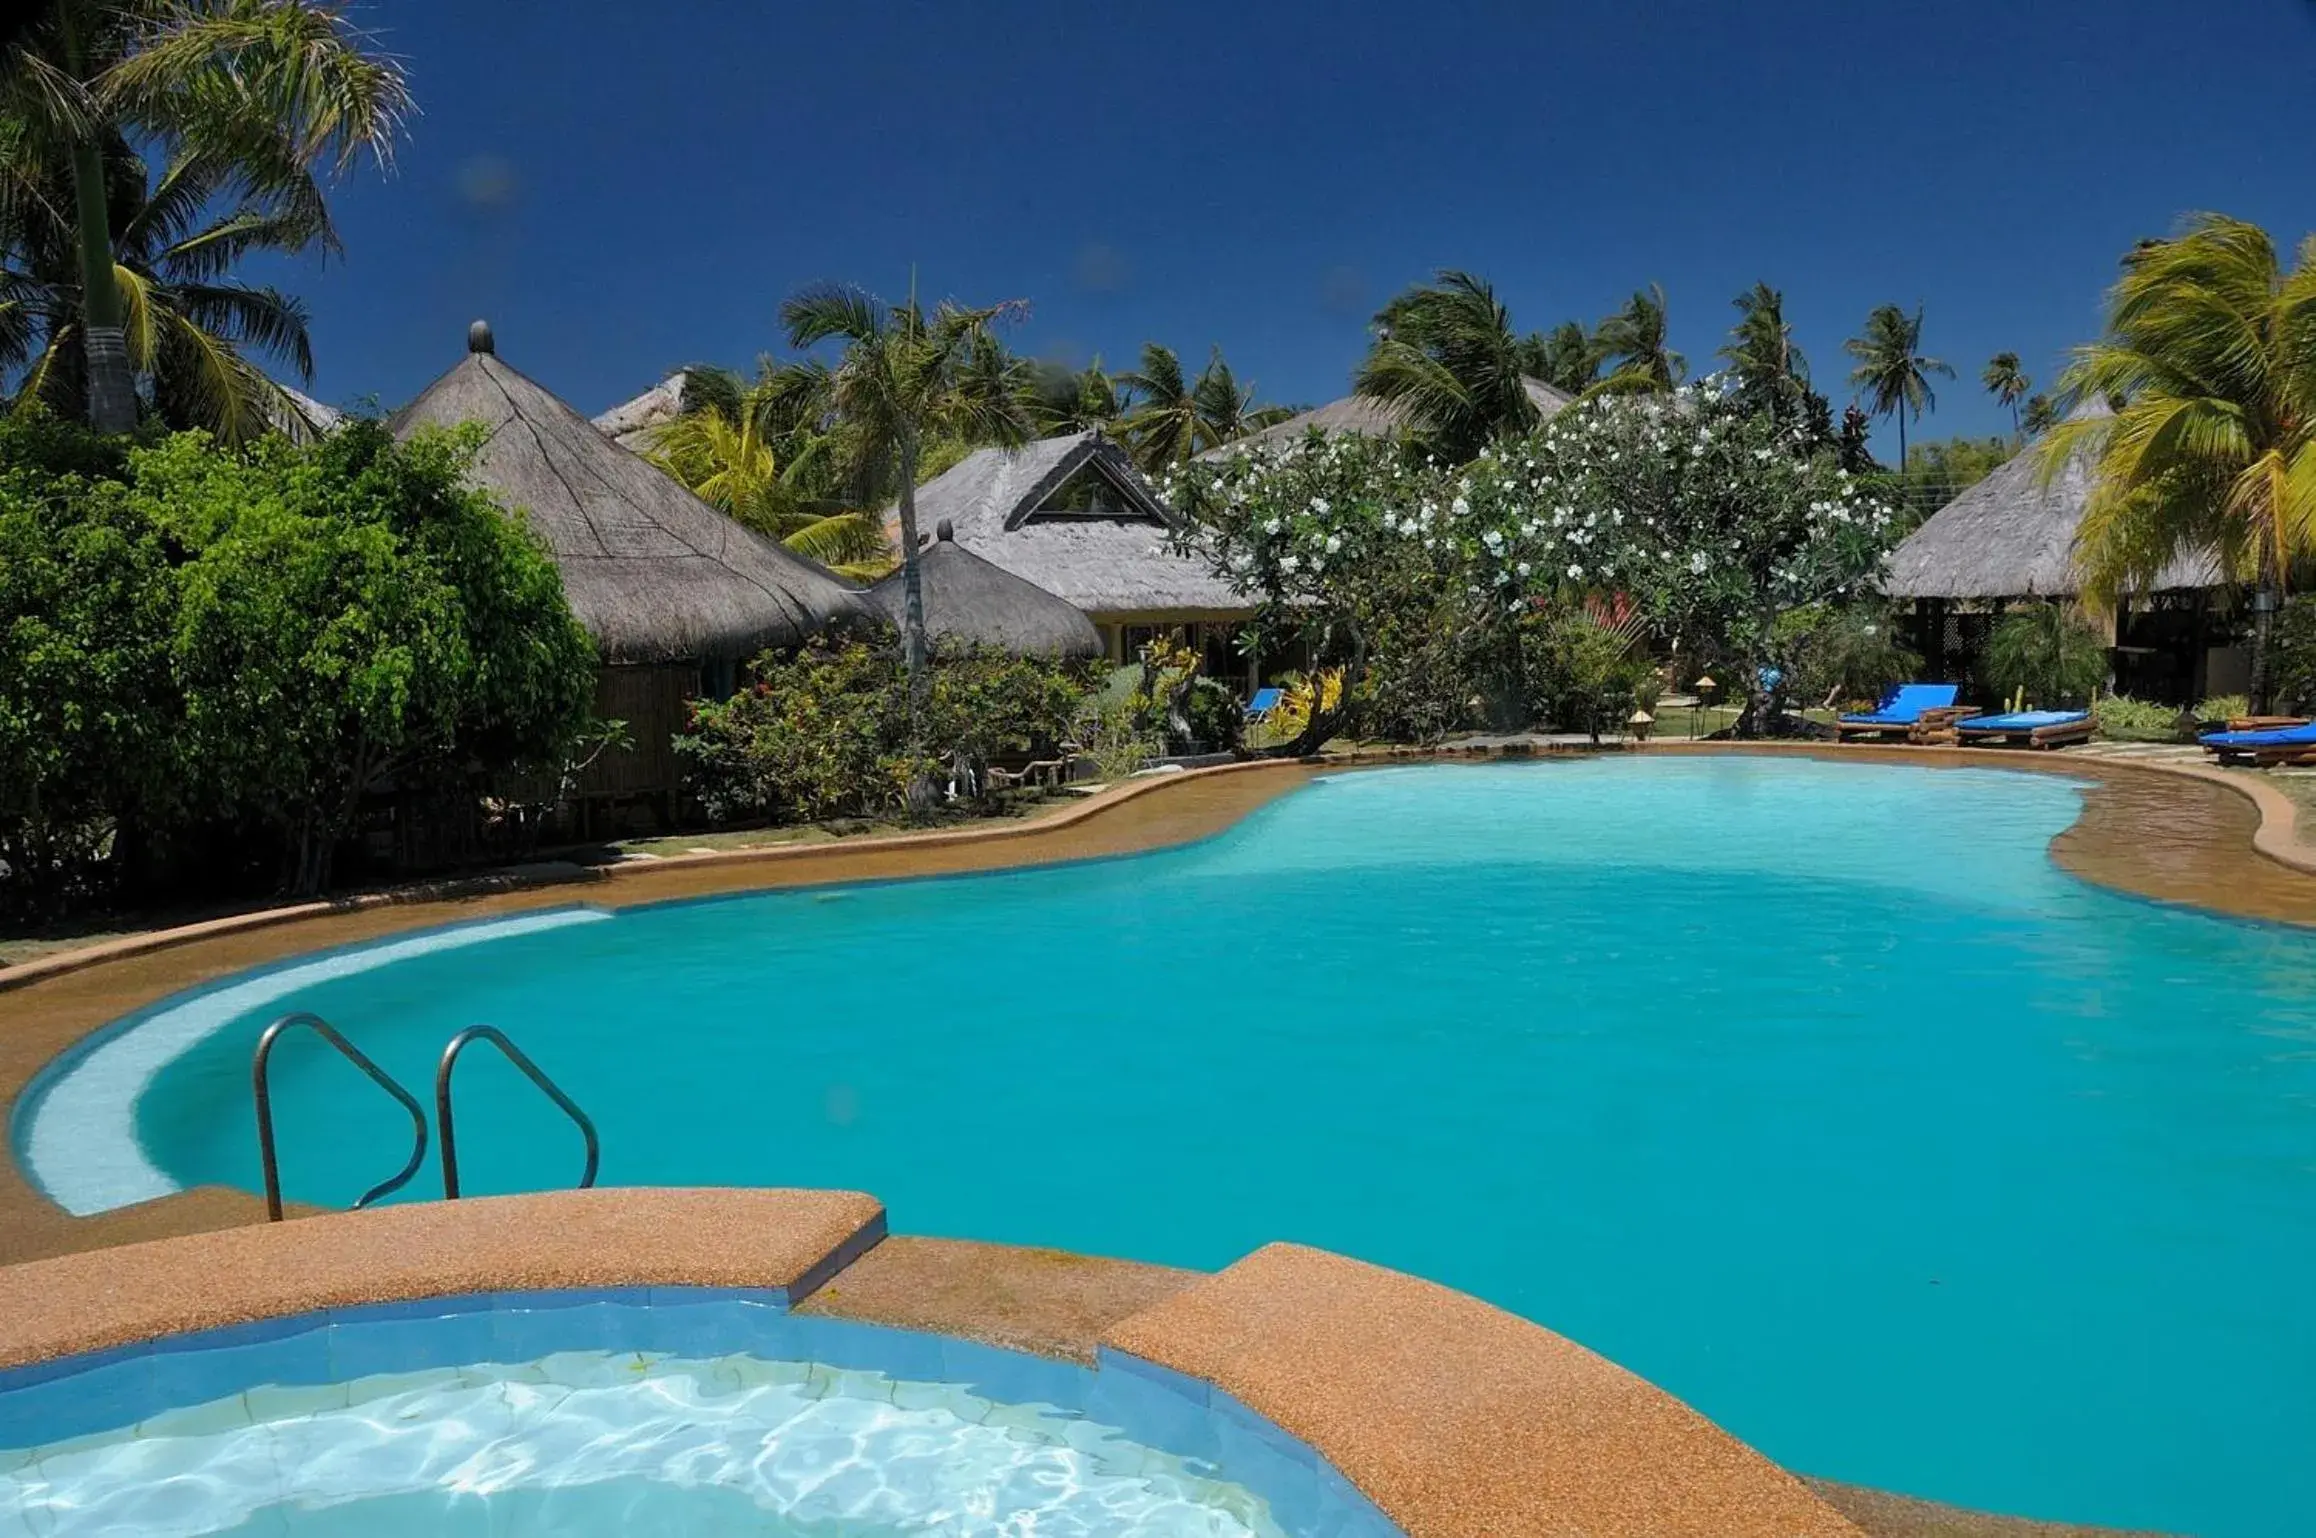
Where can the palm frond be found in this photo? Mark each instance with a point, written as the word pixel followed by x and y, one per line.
pixel 832 310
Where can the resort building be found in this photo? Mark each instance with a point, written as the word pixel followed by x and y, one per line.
pixel 1072 515
pixel 629 424
pixel 2010 539
pixel 676 595
pixel 968 601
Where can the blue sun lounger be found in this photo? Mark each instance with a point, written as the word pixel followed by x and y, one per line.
pixel 2277 745
pixel 2037 728
pixel 1901 710
pixel 1264 702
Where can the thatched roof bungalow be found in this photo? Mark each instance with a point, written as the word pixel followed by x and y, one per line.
pixel 2011 539
pixel 630 423
pixel 2012 536
pixel 971 601
pixel 675 594
pixel 1359 415
pixel 1072 515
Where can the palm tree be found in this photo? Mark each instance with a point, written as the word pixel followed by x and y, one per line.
pixel 1634 340
pixel 1226 408
pixel 722 445
pixel 905 376
pixel 2041 413
pixel 269 89
pixel 1891 370
pixel 1445 355
pixel 1566 357
pixel 2007 383
pixel 1162 425
pixel 1770 369
pixel 2209 364
pixel 1060 399
pixel 188 326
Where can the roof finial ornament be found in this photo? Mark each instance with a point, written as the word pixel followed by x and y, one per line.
pixel 478 338
pixel 945 531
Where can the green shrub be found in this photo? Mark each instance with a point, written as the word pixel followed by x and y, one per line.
pixel 1590 671
pixel 2049 651
pixel 2292 654
pixel 2120 718
pixel 208 656
pixel 2223 707
pixel 826 732
pixel 1851 655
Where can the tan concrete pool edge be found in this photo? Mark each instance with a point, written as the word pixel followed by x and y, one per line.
pixel 1457 1419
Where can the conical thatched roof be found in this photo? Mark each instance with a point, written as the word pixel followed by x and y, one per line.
pixel 1367 418
pixel 967 599
pixel 653 572
pixel 1115 561
pixel 2012 536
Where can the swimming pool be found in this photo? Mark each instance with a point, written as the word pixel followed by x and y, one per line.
pixel 699 1411
pixel 1814 1093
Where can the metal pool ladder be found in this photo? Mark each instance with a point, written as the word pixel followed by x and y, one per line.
pixel 262 1089
pixel 352 1054
pixel 531 1071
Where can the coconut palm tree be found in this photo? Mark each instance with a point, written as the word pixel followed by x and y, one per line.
pixel 2041 412
pixel 1891 369
pixel 1226 408
pixel 2007 383
pixel 723 446
pixel 1446 356
pixel 2209 364
pixel 1162 426
pixel 1633 341
pixel 189 327
pixel 1771 372
pixel 272 90
pixel 1061 399
pixel 906 376
pixel 1566 357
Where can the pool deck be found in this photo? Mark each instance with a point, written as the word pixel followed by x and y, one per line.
pixel 2178 833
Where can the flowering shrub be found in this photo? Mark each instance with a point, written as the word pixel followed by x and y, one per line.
pixel 1431 582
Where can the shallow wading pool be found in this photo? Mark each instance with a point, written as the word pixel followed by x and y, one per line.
pixel 668 1410
pixel 1813 1092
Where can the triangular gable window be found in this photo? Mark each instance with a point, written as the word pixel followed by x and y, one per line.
pixel 1093 492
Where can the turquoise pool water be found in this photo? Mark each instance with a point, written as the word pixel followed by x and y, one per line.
pixel 1813 1092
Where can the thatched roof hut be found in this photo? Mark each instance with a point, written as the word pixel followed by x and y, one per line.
pixel 2013 536
pixel 630 423
pixel 1367 418
pixel 969 600
pixel 1073 516
pixel 654 573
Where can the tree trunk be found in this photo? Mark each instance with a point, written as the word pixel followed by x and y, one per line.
pixel 2264 603
pixel 916 651
pixel 112 388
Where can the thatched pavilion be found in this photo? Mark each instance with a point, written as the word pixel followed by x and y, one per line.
pixel 1367 418
pixel 2011 539
pixel 675 594
pixel 970 601
pixel 1072 515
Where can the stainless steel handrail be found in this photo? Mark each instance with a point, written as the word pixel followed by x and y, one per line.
pixel 384 1080
pixel 531 1071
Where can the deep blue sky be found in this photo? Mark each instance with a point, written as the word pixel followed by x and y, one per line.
pixel 622 189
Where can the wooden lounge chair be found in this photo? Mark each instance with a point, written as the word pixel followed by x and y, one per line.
pixel 2032 728
pixel 1901 711
pixel 2264 749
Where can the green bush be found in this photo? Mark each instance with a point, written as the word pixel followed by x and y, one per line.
pixel 206 650
pixel 2120 718
pixel 1589 672
pixel 1851 655
pixel 2223 707
pixel 2049 651
pixel 826 732
pixel 2292 655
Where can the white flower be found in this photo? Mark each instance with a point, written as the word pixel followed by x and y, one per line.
pixel 1697 563
pixel 1575 570
pixel 1334 543
pixel 1271 526
pixel 1523 568
pixel 1290 563
pixel 1460 508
